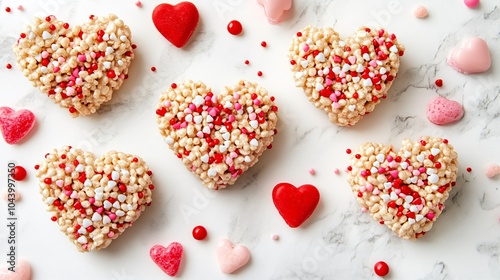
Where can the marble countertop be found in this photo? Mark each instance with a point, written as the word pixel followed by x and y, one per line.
pixel 338 241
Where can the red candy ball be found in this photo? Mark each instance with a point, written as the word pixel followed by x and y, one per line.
pixel 234 27
pixel 18 173
pixel 199 232
pixel 381 268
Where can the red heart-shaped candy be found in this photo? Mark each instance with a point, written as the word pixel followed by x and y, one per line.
pixel 176 23
pixel 168 259
pixel 15 125
pixel 295 205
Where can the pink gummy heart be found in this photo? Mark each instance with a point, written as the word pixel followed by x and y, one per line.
pixel 472 57
pixel 15 125
pixel 274 9
pixel 442 111
pixel 22 271
pixel 168 259
pixel 176 23
pixel 231 257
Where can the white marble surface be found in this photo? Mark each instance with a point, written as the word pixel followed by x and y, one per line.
pixel 338 241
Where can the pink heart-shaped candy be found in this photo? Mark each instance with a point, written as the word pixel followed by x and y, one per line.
pixel 22 271
pixel 231 257
pixel 15 125
pixel 444 111
pixel 472 57
pixel 274 9
pixel 168 259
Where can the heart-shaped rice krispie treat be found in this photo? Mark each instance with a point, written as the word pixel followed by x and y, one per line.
pixel 218 137
pixel 78 67
pixel 94 200
pixel 345 78
pixel 404 190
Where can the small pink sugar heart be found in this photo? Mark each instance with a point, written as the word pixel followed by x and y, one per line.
pixel 472 57
pixel 15 125
pixel 274 9
pixel 168 259
pixel 22 271
pixel 442 111
pixel 231 257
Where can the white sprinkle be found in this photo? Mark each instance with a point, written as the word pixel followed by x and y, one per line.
pixel 211 173
pixel 98 190
pixel 43 69
pixel 336 70
pixel 385 197
pixel 433 178
pixel 387 185
pixel 105 37
pixel 360 68
pixel 346 68
pixel 227 143
pixel 123 38
pixel 394 49
pixel 352 108
pixel 374 170
pixel 411 221
pixel 356 79
pixel 341 43
pixel 420 158
pixel 366 57
pixel 404 165
pixel 254 123
pixel 106 220
pixel 320 57
pixel 106 64
pixel 130 207
pixel 198 119
pixel 304 63
pixel 98 196
pixel 406 205
pixel 55 63
pixel 87 183
pixel 82 230
pixel 125 172
pixel 222 148
pixel 319 86
pixel 413 208
pixel 434 187
pixel 82 240
pixel 112 36
pixel 204 158
pixel 409 198
pixel 120 62
pixel 122 197
pixel 407 154
pixel 31 36
pixel 367 82
pixel 383 71
pixel 376 164
pixel 86 223
pixel 50 200
pixel 120 213
pixel 226 136
pixel 206 130
pixel 413 180
pixel 380 157
pixel 326 71
pixel 46 35
pixel 107 204
pixel 169 140
pixel 394 196
pixel 228 104
pixel 419 217
pixel 115 175
pixel 198 100
pixel 209 119
pixel 110 186
pixel 79 168
pixel 250 110
pixel 55 47
pixel 109 50
pixel 116 205
pixel 247 159
pixel 430 171
pixel 223 129
pixel 96 217
pixel 435 151
pixel 254 142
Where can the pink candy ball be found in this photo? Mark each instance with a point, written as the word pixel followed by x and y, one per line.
pixel 471 3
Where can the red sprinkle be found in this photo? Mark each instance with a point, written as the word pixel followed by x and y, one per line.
pixel 18 173
pixel 153 69
pixel 9 66
pixel 173 85
pixel 199 232
pixel 469 169
pixel 439 82
pixel 247 62
pixel 259 73
pixel 348 151
pixel 7 9
pixel 263 44
pixel 234 27
pixel 53 218
pixel 381 268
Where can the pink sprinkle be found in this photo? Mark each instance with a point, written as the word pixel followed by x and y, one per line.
pixel 381 170
pixel 60 183
pixel 71 83
pixel 68 193
pixel 394 173
pixel 492 170
pixel 70 91
pixel 362 189
pixel 111 234
pixel 61 59
pixel 275 237
pixel 416 172
pixel 373 63
pixel 100 210
pixel 82 58
pixel 213 112
pixel 176 126
pixel 420 12
pixel 320 73
pixel 200 134
pixel 229 160
pixel 231 118
pixel 422 169
pixel 233 155
pixel 192 107
pixel 91 200
pixel 208 98
pixel 336 105
pixel 376 191
pixel 122 76
pixel 364 210
pixel 420 183
pixel 333 97
pixel 336 171
pixel 342 75
pixel 20 8
pixel 237 106
pixel 56 69
pixel 256 102
pixel 352 59
pixel 369 187
pixel 328 82
pixel 363 173
pixel 252 116
pixel 471 3
pixel 312 171
pixel 184 125
pixel 390 158
pixel 235 175
pixel 244 130
pixel 306 48
pixel 79 81
pixel 236 96
pixel 45 54
pixel 68 169
pixel 112 216
pixel 166 103
pixel 430 215
pixel 93 55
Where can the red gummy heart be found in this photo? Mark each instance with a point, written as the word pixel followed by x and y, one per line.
pixel 15 125
pixel 295 205
pixel 168 259
pixel 176 23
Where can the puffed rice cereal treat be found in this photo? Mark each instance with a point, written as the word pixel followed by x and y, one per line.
pixel 405 190
pixel 217 137
pixel 94 200
pixel 78 67
pixel 348 77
